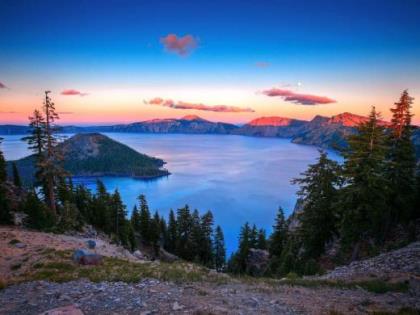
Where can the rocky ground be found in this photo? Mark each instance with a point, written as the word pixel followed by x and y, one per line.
pixel 150 296
pixel 37 281
pixel 403 263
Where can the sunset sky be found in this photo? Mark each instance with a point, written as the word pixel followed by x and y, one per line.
pixel 125 61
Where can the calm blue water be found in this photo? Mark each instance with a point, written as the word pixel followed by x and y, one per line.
pixel 239 178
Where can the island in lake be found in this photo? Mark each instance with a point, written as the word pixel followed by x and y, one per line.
pixel 94 154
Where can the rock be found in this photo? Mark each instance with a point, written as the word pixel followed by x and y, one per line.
pixel 139 255
pixel 257 261
pixel 65 310
pixel 165 256
pixel 177 307
pixel 91 244
pixel 84 257
pixel 20 245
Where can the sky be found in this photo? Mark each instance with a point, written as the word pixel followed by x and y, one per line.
pixel 125 61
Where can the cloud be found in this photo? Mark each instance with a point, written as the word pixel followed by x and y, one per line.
pixel 182 46
pixel 65 113
pixel 298 98
pixel 8 112
pixel 197 106
pixel 262 64
pixel 2 86
pixel 71 92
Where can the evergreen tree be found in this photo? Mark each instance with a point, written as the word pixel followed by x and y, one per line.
pixel 118 218
pixel 38 216
pixel 172 233
pixel 135 220
pixel 364 206
pixel 163 232
pixel 219 249
pixel 16 178
pixel 244 247
pixel 401 162
pixel 261 240
pixel 184 226
pixel 155 233
pixel 253 237
pixel 145 220
pixel 5 207
pixel 196 239
pixel 50 169
pixel 206 247
pixel 278 237
pixel 69 218
pixel 319 189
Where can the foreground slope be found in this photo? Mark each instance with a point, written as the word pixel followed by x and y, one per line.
pixel 93 154
pixel 41 275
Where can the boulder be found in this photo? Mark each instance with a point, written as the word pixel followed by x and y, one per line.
pixel 257 261
pixel 139 255
pixel 167 257
pixel 84 257
pixel 91 244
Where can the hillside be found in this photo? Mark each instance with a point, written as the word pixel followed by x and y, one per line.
pixel 93 154
pixel 41 276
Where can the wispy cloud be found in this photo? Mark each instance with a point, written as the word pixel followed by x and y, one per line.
pixel 2 86
pixel 182 46
pixel 8 112
pixel 262 64
pixel 298 98
pixel 71 92
pixel 65 113
pixel 197 106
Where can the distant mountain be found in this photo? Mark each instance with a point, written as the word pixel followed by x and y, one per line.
pixel 325 132
pixel 271 127
pixel 93 154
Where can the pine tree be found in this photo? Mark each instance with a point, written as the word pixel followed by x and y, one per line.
pixel 38 216
pixel 50 169
pixel 135 220
pixel 206 248
pixel 219 251
pixel 118 218
pixel 172 233
pixel 261 240
pixel 364 206
pixel 5 207
pixel 244 247
pixel 196 239
pixel 145 220
pixel 319 190
pixel 155 233
pixel 278 237
pixel 184 226
pixel 253 237
pixel 401 162
pixel 16 178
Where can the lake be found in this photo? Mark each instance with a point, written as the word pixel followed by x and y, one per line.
pixel 238 178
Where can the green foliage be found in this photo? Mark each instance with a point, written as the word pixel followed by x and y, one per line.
pixel 401 162
pixel 319 218
pixel 219 251
pixel 38 216
pixel 364 209
pixel 16 177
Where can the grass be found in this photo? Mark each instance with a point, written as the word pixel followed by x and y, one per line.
pixel 401 311
pixel 57 266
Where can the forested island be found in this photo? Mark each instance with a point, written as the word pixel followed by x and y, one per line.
pixel 94 154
